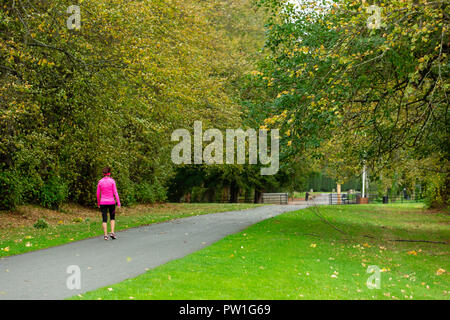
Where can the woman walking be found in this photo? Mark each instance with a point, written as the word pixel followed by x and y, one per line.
pixel 106 191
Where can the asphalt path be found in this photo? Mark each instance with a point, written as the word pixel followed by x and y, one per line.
pixel 51 273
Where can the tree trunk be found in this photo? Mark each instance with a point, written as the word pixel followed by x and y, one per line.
pixel 258 197
pixel 234 192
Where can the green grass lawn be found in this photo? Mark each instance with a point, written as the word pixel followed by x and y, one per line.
pixel 72 223
pixel 298 256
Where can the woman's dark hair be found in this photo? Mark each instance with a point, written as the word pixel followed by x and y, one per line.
pixel 106 170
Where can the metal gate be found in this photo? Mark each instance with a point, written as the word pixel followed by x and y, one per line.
pixel 275 198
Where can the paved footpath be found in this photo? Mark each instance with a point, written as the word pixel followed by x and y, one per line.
pixel 43 274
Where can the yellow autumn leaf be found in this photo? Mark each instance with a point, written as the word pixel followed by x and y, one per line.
pixel 440 271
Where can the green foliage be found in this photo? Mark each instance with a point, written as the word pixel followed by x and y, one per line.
pixel 111 93
pixel 437 191
pixel 41 224
pixel 10 192
pixel 150 193
pixel 353 96
pixel 53 193
pixel 145 193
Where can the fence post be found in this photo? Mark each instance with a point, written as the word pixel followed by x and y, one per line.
pixel 338 193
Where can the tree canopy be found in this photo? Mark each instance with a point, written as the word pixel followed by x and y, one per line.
pixel 112 91
pixel 357 94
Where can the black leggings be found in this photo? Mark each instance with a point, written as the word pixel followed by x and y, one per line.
pixel 112 212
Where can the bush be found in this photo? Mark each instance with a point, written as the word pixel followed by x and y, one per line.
pixel 150 193
pixel 160 192
pixel 145 193
pixel 78 220
pixel 41 224
pixel 53 193
pixel 198 194
pixel 10 193
pixel 437 191
pixel 126 190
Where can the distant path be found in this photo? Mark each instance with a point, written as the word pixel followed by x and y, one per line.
pixel 323 198
pixel 42 274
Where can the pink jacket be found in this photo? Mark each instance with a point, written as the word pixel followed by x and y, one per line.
pixel 107 188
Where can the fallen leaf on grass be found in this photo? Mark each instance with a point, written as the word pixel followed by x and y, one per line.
pixel 440 271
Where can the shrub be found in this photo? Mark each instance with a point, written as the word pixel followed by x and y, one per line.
pixel 437 190
pixel 145 193
pixel 10 193
pixel 53 193
pixel 126 190
pixel 160 192
pixel 41 224
pixel 78 220
pixel 150 193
